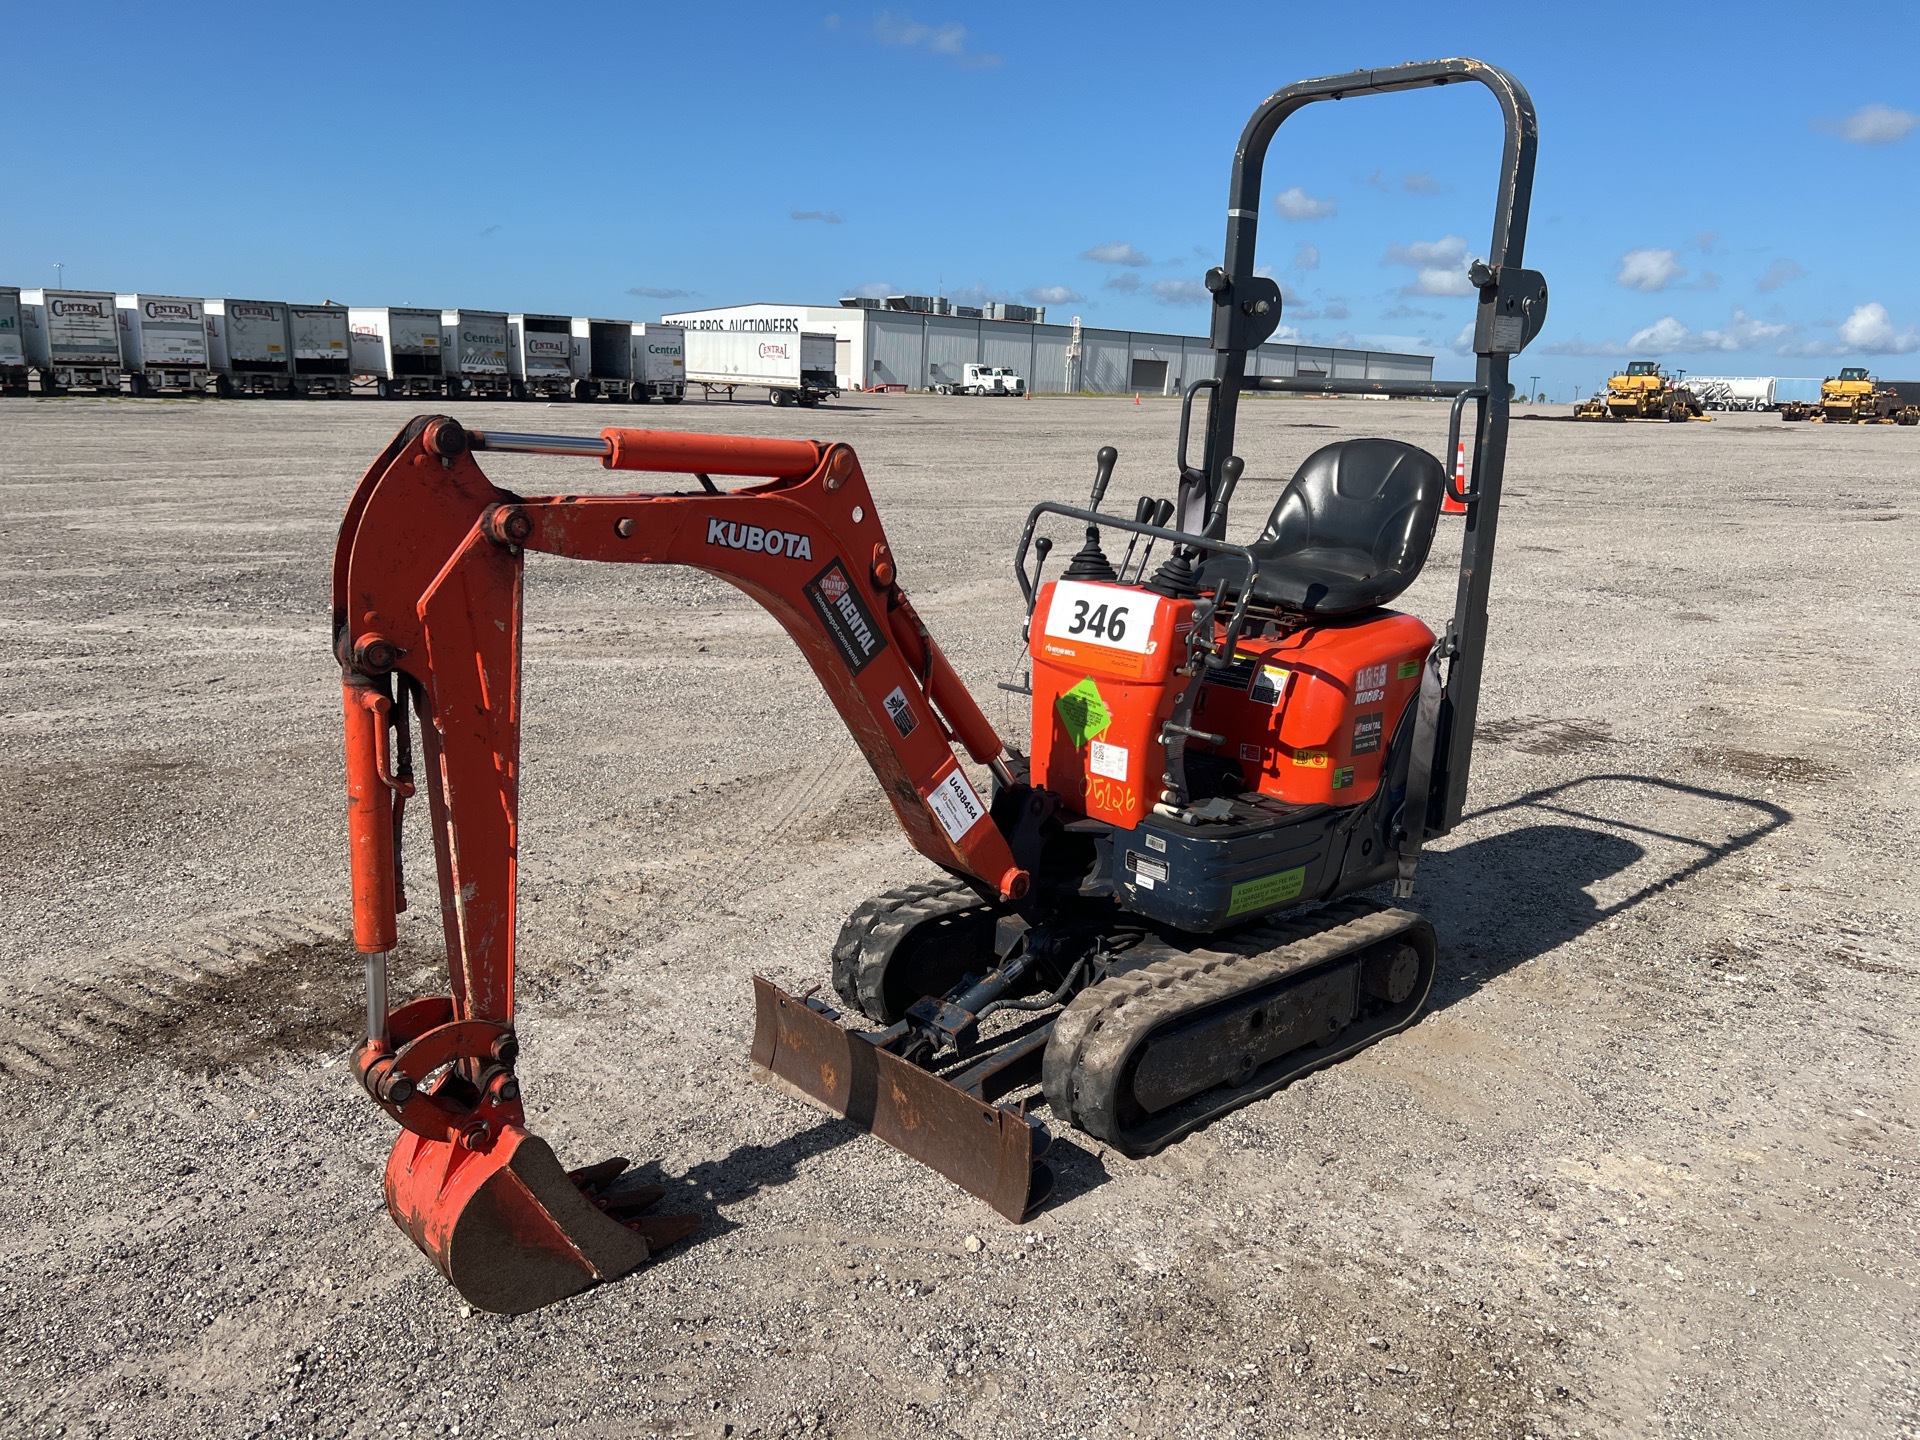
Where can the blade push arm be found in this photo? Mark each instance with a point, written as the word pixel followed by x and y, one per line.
pixel 428 586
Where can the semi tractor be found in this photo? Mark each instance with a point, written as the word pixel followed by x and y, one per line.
pixel 793 367
pixel 248 347
pixel 163 345
pixel 395 351
pixel 540 359
pixel 71 339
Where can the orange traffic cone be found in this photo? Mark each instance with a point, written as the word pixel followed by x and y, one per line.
pixel 1136 399
pixel 1449 505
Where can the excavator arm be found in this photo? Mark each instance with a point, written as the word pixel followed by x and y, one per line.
pixel 428 591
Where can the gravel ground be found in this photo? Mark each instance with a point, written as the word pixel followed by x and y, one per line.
pixel 1645 1169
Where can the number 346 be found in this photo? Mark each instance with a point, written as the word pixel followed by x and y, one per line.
pixel 1103 622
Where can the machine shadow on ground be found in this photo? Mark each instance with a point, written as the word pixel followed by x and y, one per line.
pixel 1511 897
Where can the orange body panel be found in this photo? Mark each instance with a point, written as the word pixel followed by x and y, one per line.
pixel 1310 716
pixel 1100 696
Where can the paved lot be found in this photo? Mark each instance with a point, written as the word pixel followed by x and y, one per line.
pixel 1646 1169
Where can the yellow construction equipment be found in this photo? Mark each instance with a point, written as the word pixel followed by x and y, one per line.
pixel 1855 398
pixel 1644 392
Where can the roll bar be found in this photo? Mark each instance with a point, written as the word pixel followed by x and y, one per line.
pixel 1512 309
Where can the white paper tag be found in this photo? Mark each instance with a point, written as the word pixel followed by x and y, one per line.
pixel 1108 760
pixel 1109 615
pixel 955 805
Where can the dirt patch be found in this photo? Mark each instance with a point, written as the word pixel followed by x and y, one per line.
pixel 1548 737
pixel 1760 765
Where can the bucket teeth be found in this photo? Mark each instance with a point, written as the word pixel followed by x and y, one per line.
pixel 514 1231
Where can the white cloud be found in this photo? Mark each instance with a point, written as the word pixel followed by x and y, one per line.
pixel 1294 203
pixel 1463 342
pixel 1440 265
pixel 1668 335
pixel 1421 183
pixel 825 217
pixel 655 292
pixel 872 290
pixel 1054 295
pixel 1649 270
pixel 1126 282
pixel 1334 310
pixel 1115 254
pixel 1869 329
pixel 948 40
pixel 1779 273
pixel 1307 257
pixel 1180 292
pixel 1871 125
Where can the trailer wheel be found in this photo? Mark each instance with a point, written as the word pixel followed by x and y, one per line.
pixel 777 397
pixel 136 383
pixel 639 395
pixel 676 399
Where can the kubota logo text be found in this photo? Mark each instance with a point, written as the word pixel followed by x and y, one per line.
pixel 766 542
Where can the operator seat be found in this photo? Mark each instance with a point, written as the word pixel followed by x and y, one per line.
pixel 1349 533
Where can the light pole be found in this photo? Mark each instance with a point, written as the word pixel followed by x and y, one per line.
pixel 1534 381
pixel 59 276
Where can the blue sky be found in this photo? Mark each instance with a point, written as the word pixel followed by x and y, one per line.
pixel 1736 197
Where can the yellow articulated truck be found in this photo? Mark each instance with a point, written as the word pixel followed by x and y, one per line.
pixel 1854 397
pixel 1644 392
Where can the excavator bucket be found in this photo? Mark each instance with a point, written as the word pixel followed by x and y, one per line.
pixel 511 1229
pixel 988 1150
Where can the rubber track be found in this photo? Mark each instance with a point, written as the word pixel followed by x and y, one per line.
pixel 1105 1024
pixel 874 931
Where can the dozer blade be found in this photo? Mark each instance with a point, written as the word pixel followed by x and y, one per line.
pixel 987 1150
pixel 510 1228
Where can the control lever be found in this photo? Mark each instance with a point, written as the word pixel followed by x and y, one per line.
pixel 1091 562
pixel 1103 462
pixel 1162 513
pixel 1142 513
pixel 1040 549
pixel 1231 469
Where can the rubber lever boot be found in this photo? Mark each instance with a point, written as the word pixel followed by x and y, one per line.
pixel 1091 562
pixel 1176 579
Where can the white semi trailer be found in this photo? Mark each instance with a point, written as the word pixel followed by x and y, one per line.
pixel 321 340
pixel 248 346
pixel 396 351
pixel 13 352
pixel 792 366
pixel 163 345
pixel 659 363
pixel 540 358
pixel 1733 392
pixel 473 350
pixel 603 352
pixel 72 340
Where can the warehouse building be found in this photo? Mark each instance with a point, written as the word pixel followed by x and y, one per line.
pixel 924 348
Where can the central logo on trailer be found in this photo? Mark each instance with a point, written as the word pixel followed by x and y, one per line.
pixel 789 543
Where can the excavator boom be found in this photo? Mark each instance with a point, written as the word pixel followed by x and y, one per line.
pixel 428 591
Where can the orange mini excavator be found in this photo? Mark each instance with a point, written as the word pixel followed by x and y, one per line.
pixel 1150 919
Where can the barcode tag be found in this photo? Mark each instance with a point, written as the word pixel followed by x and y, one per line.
pixel 955 805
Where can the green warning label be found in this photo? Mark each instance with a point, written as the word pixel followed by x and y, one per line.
pixel 1267 890
pixel 1083 712
pixel 1409 669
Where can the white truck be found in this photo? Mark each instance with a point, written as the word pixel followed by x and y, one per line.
pixel 163 345
pixel 71 339
pixel 247 345
pixel 659 363
pixel 540 358
pixel 396 351
pixel 13 353
pixel 322 344
pixel 792 366
pixel 473 352
pixel 984 380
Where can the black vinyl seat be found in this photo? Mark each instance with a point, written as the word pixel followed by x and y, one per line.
pixel 1350 531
